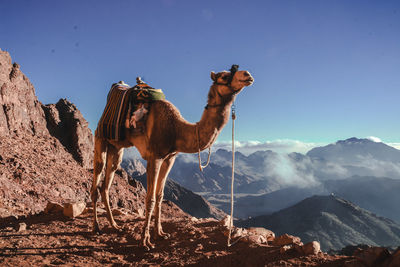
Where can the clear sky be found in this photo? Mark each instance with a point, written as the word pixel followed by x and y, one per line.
pixel 324 70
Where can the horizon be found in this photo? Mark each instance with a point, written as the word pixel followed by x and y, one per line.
pixel 323 71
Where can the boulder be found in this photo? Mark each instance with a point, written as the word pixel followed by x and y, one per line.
pixel 286 240
pixel 268 234
pixel 73 210
pixel 53 208
pixel 312 248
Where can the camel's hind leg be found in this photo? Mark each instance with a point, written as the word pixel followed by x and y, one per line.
pixel 162 178
pixel 114 158
pixel 100 152
pixel 153 169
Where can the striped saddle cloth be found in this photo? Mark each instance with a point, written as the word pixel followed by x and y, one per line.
pixel 122 101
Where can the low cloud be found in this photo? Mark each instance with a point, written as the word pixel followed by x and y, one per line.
pixel 374 139
pixel 279 146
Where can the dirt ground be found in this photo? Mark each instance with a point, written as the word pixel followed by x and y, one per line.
pixel 53 239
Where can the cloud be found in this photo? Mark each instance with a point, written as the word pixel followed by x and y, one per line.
pixel 374 139
pixel 279 146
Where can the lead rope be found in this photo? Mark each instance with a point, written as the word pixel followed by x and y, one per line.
pixel 233 176
pixel 198 145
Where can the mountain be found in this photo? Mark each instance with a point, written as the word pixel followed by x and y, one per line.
pixel 188 201
pixel 332 221
pixel 250 172
pixel 379 195
pixel 354 150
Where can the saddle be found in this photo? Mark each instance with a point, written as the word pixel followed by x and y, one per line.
pixel 127 107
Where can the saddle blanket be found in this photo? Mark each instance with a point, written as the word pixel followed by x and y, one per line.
pixel 120 100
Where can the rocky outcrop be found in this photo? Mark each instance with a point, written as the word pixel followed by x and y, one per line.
pixel 67 124
pixel 22 114
pixel 46 151
pixel 20 110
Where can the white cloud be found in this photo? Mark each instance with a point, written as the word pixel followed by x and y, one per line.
pixel 374 139
pixel 395 145
pixel 279 146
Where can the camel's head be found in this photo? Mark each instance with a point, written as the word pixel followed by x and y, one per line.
pixel 231 82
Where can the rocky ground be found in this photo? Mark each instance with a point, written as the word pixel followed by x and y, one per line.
pixel 53 239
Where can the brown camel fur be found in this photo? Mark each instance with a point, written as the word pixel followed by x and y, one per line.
pixel 166 134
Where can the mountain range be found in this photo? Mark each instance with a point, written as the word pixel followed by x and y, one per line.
pixel 332 221
pixel 360 170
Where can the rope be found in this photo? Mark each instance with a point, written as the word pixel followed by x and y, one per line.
pixel 198 145
pixel 233 176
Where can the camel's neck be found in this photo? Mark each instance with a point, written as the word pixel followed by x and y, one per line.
pixel 204 133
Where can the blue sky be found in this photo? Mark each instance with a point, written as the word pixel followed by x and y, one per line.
pixel 324 70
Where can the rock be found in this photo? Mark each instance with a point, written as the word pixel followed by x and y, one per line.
pixel 140 212
pixel 118 212
pixel 373 256
pixel 53 208
pixel 286 240
pixel 256 239
pixel 73 210
pixel 194 219
pixel 268 234
pixel 285 248
pixel 21 227
pixel 395 259
pixel 67 124
pixel 225 221
pixel 312 248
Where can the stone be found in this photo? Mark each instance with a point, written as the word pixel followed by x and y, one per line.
pixel 140 212
pixel 21 227
pixel 373 256
pixel 285 248
pixel 312 248
pixel 286 240
pixel 225 221
pixel 53 208
pixel 118 212
pixel 73 210
pixel 268 234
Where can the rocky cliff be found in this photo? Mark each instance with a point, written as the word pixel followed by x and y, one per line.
pixel 46 151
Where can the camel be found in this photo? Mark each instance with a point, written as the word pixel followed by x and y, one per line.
pixel 165 135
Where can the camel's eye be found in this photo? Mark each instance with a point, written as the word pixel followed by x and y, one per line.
pixel 225 78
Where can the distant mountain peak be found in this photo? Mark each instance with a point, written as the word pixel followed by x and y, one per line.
pixel 355 141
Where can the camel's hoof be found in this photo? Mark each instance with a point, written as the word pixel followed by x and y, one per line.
pixel 96 230
pixel 163 236
pixel 116 228
pixel 148 246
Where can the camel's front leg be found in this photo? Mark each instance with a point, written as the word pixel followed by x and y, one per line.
pixel 162 178
pixel 153 169
pixel 114 158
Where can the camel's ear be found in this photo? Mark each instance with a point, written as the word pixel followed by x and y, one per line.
pixel 213 76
